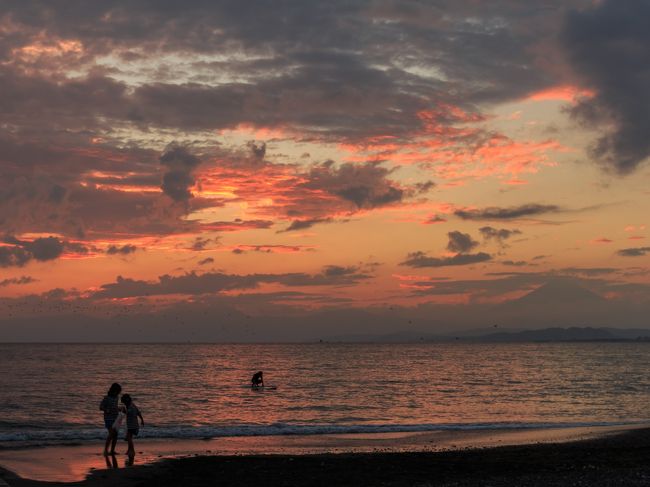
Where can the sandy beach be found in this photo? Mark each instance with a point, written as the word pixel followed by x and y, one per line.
pixel 575 456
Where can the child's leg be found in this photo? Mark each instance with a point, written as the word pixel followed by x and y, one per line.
pixel 113 440
pixel 129 438
pixel 108 442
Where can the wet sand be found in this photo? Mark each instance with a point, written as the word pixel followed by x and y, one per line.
pixel 577 456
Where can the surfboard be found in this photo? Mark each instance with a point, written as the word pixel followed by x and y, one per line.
pixel 264 388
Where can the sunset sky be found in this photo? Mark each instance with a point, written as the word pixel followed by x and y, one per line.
pixel 277 159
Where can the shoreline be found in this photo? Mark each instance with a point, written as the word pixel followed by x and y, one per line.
pixel 84 463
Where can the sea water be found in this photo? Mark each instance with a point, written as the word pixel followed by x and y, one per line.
pixel 51 393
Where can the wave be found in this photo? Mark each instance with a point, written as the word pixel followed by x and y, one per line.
pixel 29 436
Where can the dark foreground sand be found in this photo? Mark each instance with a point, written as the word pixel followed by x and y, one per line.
pixel 614 460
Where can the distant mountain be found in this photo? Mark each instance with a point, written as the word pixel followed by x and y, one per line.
pixel 558 292
pixel 551 335
pixel 398 337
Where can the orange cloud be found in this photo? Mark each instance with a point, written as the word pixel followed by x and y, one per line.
pixel 248 130
pixel 567 93
pixel 458 152
pixel 50 48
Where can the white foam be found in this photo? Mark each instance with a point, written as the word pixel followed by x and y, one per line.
pixel 40 436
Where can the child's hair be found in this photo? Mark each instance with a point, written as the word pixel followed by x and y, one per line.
pixel 126 400
pixel 114 390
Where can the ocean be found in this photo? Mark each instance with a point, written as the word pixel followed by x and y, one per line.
pixel 51 393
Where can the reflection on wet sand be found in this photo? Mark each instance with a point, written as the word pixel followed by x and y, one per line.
pixel 130 460
pixel 111 461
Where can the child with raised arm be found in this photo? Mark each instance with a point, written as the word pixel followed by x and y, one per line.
pixel 132 425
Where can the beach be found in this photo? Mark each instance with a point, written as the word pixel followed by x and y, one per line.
pixel 571 456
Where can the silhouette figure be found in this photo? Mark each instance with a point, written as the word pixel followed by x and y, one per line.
pixel 110 406
pixel 132 425
pixel 258 379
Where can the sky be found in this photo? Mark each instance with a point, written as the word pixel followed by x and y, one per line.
pixel 227 170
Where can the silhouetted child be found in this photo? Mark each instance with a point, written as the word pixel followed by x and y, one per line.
pixel 110 406
pixel 258 379
pixel 132 426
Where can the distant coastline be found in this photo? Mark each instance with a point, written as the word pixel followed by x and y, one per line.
pixel 573 334
pixel 543 335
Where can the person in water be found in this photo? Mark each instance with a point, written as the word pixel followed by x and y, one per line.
pixel 258 379
pixel 111 409
pixel 132 425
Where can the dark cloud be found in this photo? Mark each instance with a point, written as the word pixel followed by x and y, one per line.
pixel 123 250
pixel 433 219
pixel 420 259
pixel 16 280
pixel 460 242
pixel 297 65
pixel 500 235
pixel 364 185
pixel 215 282
pixel 20 252
pixel 589 271
pixel 14 256
pixel 510 213
pixel 106 211
pixel 207 260
pixel 424 187
pixel 187 284
pixel 258 149
pixel 634 252
pixel 201 243
pixel 46 248
pixel 305 224
pixel 330 276
pixel 607 45
pixel 79 248
pixel 515 263
pixel 84 103
pixel 328 94
pixel 178 178
pixel 270 249
pixel 92 199
pixel 338 271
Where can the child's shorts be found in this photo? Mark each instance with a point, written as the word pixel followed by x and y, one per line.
pixel 109 423
pixel 134 431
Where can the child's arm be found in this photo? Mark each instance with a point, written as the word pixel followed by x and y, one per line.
pixel 141 418
pixel 102 405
